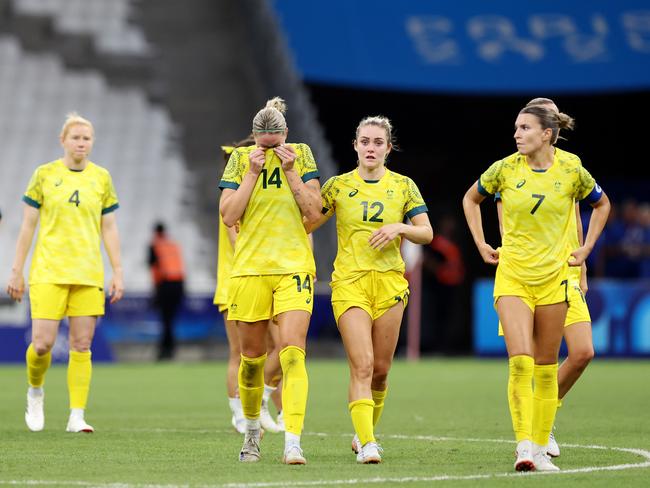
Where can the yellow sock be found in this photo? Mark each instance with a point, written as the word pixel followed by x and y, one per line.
pixel 251 385
pixel 295 385
pixel 37 366
pixel 361 413
pixel 378 396
pixel 80 370
pixel 544 402
pixel 520 395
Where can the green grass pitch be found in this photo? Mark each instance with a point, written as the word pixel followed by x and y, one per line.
pixel 446 423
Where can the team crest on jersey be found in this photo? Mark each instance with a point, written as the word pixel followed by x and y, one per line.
pixel 521 183
pixel 558 186
pixel 233 307
pixel 389 193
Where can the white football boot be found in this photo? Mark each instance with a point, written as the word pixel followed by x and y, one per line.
pixel 34 416
pixel 542 460
pixel 370 453
pixel 293 455
pixel 524 453
pixel 552 449
pixel 76 422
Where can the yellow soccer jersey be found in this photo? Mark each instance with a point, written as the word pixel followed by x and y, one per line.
pixel 538 212
pixel 361 208
pixel 272 238
pixel 224 264
pixel 71 204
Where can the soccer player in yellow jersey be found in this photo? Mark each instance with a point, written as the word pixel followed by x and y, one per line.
pixel 578 336
pixel 538 185
pixel 73 201
pixel 269 188
pixel 369 291
pixel 272 369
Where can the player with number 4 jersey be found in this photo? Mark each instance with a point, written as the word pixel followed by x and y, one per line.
pixel 73 200
pixel 71 204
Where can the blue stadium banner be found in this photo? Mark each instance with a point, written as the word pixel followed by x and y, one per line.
pixel 620 314
pixel 471 46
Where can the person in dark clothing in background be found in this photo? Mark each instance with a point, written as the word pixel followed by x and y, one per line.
pixel 168 274
pixel 444 273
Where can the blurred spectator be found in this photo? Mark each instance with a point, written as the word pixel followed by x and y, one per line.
pixel 167 272
pixel 623 244
pixel 443 275
pixel 644 220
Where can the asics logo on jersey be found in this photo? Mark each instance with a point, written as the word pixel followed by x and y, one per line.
pixel 308 300
pixel 353 192
pixel 521 183
pixel 58 182
pixel 598 188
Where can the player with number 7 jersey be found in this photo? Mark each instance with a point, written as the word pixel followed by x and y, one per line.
pixel 537 208
pixel 539 186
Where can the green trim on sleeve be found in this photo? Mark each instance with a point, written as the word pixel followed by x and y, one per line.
pixel 310 176
pixel 110 209
pixel 30 202
pixel 228 184
pixel 481 189
pixel 416 211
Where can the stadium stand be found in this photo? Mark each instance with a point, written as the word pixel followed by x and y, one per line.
pixel 162 104
pixel 134 142
pixel 106 21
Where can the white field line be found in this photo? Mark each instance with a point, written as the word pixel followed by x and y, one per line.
pixel 378 480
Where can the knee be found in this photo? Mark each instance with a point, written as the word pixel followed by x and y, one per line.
pixel 379 381
pixel 293 341
pixel 582 357
pixel 362 370
pixel 251 347
pixel 380 373
pixel 41 347
pixel 80 344
pixel 252 351
pixel 273 349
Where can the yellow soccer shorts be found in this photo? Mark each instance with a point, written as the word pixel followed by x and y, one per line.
pixel 578 310
pixel 262 297
pixel 375 292
pixel 53 301
pixel 556 290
